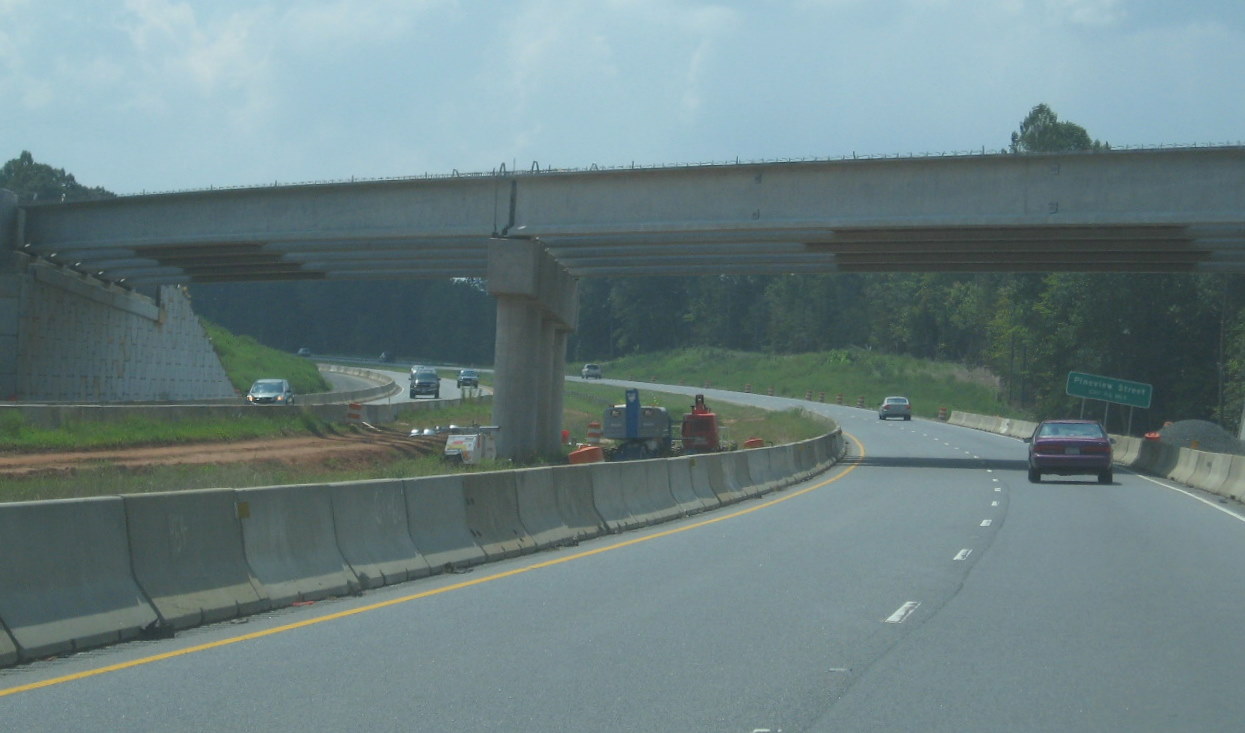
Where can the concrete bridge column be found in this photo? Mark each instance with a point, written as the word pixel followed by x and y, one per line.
pixel 10 295
pixel 533 293
pixel 557 377
pixel 518 376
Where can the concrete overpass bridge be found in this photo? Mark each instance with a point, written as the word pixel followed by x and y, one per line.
pixel 532 234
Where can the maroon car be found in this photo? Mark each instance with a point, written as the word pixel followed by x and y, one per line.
pixel 1069 448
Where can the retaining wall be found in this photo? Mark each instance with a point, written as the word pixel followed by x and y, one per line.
pixel 89 572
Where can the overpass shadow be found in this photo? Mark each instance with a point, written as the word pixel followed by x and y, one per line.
pixel 1017 464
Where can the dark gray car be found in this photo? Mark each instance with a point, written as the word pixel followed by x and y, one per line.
pixel 425 382
pixel 895 407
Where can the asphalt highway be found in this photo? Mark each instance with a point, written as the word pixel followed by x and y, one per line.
pixel 922 584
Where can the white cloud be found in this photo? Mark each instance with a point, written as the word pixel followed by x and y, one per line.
pixel 1087 12
pixel 160 94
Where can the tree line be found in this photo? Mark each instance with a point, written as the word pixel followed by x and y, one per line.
pixel 1182 333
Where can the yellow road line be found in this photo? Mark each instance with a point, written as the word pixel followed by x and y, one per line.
pixel 425 594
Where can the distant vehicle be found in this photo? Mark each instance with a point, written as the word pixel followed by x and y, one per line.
pixel 304 351
pixel 468 378
pixel 425 382
pixel 895 407
pixel 271 392
pixel 1069 448
pixel 591 371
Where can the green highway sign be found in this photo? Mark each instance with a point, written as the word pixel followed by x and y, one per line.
pixel 1109 389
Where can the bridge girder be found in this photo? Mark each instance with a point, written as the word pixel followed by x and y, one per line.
pixel 1147 210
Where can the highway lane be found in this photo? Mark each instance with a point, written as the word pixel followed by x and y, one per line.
pixel 345 382
pixel 924 584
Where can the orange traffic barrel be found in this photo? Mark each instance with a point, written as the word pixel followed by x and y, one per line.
pixel 594 433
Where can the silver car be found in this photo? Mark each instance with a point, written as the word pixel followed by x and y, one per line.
pixel 895 407
pixel 270 392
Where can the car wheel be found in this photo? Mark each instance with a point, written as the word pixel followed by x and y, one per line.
pixel 436 395
pixel 1035 477
pixel 881 417
pixel 1106 477
pixel 412 394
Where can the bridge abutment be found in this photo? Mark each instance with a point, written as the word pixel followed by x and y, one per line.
pixel 69 337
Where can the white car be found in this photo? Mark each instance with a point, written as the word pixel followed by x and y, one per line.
pixel 591 371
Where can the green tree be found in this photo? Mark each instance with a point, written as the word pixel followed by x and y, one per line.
pixel 1042 132
pixel 37 182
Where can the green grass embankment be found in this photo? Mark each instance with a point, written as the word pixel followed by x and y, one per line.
pixel 246 360
pixel 853 373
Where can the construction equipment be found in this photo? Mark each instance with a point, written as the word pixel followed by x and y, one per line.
pixel 700 432
pixel 638 431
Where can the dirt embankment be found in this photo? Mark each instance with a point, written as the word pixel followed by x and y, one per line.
pixel 301 451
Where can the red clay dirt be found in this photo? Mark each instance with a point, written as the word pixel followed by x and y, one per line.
pixel 303 451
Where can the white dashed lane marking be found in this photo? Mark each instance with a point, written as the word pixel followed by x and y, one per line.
pixel 902 614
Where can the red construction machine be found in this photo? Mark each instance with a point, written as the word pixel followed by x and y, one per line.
pixel 701 429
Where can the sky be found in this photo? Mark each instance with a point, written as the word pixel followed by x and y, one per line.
pixel 162 95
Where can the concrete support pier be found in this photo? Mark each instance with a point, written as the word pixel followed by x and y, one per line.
pixel 536 307
pixel 10 295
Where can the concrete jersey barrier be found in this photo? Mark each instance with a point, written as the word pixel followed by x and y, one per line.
pixel 373 532
pixel 291 543
pixel 735 478
pixel 645 488
pixel 538 507
pixel 709 478
pixel 8 649
pixel 1234 484
pixel 691 496
pixel 761 469
pixel 99 571
pixel 493 514
pixel 572 486
pixel 74 588
pixel 437 512
pixel 186 551
pixel 609 496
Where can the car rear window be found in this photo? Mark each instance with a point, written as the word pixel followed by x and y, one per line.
pixel 1071 430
